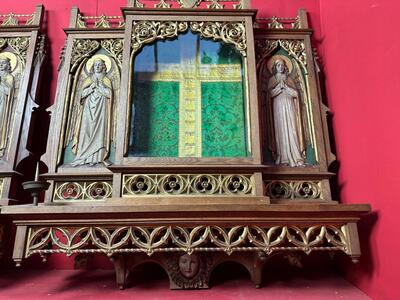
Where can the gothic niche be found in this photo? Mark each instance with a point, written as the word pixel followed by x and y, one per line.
pixel 288 120
pixel 93 101
pixel 11 67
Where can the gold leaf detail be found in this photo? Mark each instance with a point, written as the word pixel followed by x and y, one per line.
pixel 114 47
pixel 215 5
pixel 275 24
pixel 162 4
pixel 296 24
pixel 229 32
pixel 137 4
pixel 189 3
pixel 144 32
pixel 81 49
pixel 102 22
pixel 10 20
pixel 112 239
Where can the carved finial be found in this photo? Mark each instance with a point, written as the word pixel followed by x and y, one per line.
pixel 297 23
pixel 275 24
pixel 102 22
pixel 80 23
pixel 188 3
pixel 135 4
pixel 10 20
pixel 162 4
pixel 215 5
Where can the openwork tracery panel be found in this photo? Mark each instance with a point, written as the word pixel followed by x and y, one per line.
pixel 188 184
pixel 145 32
pixel 211 4
pixel 81 190
pixel 129 239
pixel 280 189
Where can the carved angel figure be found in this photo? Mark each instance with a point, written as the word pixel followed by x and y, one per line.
pixel 6 100
pixel 92 122
pixel 286 141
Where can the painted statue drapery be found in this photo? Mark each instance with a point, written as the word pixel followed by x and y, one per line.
pixel 91 140
pixel 287 144
pixel 6 101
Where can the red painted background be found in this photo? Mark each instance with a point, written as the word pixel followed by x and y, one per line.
pixel 359 45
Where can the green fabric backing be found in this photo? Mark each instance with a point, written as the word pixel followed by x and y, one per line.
pixel 156 119
pixel 223 122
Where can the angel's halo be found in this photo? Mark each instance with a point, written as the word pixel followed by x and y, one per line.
pixel 286 59
pixel 11 57
pixel 95 57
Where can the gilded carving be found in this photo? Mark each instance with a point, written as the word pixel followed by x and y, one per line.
pixel 189 3
pixel 278 189
pixel 187 184
pixel 295 48
pixel 229 32
pixel 82 190
pixel 137 4
pixel 82 49
pixel 102 22
pixel 144 32
pixel 130 239
pixel 80 22
pixel 189 271
pixel 114 47
pixel 297 23
pixel 10 20
pixel 15 19
pixel 19 45
pixel 215 5
pixel 162 4
pixel 236 4
pixel 275 24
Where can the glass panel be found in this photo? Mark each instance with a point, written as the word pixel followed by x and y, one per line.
pixel 188 100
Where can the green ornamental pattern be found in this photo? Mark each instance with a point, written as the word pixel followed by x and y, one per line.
pixel 156 132
pixel 223 121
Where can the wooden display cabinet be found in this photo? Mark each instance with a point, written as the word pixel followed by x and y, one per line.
pixel 187 135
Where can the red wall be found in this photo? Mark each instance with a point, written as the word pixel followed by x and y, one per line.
pixel 360 49
pixel 358 43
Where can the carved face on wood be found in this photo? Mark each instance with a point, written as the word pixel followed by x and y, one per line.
pixel 189 265
pixel 5 65
pixel 280 66
pixel 99 66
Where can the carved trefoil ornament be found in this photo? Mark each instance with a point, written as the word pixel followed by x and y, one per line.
pixel 188 184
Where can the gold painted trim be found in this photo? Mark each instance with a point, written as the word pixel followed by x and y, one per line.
pixel 229 239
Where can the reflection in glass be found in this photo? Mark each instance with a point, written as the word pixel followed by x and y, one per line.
pixel 188 100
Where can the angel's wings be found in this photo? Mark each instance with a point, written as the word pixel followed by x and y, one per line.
pixel 79 82
pixel 304 105
pixel 75 107
pixel 115 76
